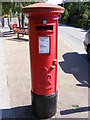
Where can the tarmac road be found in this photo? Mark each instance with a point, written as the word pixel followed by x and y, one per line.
pixel 74 37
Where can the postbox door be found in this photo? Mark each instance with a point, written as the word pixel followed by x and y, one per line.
pixel 46 62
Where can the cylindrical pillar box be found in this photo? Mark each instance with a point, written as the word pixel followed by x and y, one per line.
pixel 43 35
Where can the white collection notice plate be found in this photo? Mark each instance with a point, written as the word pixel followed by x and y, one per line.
pixel 44 45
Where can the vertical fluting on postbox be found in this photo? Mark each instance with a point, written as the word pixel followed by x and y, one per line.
pixel 43 34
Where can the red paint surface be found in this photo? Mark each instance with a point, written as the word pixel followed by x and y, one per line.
pixel 14 27
pixel 43 66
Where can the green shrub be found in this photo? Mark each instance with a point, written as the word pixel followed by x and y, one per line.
pixel 80 22
pixel 26 23
pixel 6 16
pixel 85 17
pixel 65 16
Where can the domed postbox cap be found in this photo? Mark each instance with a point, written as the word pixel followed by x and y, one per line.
pixel 40 8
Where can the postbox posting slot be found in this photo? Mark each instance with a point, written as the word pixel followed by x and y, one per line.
pixel 49 27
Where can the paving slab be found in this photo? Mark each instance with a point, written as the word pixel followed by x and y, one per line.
pixel 4 90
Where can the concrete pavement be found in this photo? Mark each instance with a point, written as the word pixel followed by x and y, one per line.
pixel 4 90
pixel 72 80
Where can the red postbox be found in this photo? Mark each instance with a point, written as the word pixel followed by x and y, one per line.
pixel 43 35
pixel 14 27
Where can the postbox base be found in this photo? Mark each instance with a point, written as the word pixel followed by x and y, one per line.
pixel 44 106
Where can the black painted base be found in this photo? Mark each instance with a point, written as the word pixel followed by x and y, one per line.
pixel 44 106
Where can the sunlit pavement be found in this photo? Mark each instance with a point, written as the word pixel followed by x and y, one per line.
pixel 4 90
